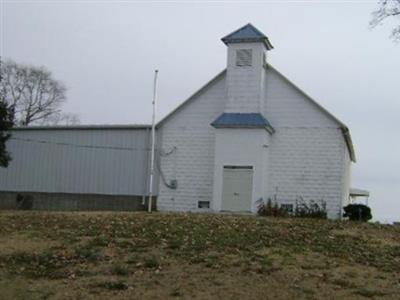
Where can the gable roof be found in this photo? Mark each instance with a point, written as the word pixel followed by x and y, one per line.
pixel 247 34
pixel 191 98
pixel 345 130
pixel 242 120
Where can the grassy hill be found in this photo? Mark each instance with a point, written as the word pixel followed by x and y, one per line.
pixel 202 256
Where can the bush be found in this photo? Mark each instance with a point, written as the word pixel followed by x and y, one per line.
pixel 310 210
pixel 270 209
pixel 357 212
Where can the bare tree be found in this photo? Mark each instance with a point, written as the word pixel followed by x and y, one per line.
pixel 387 9
pixel 34 95
pixel 64 118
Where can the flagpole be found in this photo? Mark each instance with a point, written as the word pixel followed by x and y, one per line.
pixel 153 135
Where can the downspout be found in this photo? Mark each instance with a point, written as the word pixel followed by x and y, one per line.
pixel 349 143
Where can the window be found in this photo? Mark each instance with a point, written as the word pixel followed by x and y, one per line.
pixel 287 207
pixel 204 204
pixel 244 57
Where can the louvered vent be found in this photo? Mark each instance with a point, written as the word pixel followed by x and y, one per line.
pixel 243 57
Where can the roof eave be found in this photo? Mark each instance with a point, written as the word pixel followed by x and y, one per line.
pixel 359 192
pixel 268 128
pixel 265 41
pixel 349 143
pixel 81 127
pixel 193 96
pixel 345 130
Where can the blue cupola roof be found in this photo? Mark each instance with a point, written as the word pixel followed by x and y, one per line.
pixel 247 34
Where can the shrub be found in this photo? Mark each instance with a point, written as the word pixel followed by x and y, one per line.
pixel 269 209
pixel 357 212
pixel 310 210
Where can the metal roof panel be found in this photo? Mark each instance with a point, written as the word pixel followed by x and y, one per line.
pixel 247 33
pixel 241 120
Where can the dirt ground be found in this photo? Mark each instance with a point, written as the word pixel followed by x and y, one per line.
pixel 200 256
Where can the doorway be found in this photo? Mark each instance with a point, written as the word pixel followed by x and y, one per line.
pixel 237 187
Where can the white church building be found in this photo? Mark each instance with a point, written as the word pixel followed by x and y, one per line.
pixel 247 136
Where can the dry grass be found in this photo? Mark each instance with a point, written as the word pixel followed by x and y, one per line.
pixel 185 256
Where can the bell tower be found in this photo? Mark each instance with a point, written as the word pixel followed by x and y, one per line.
pixel 247 50
pixel 242 133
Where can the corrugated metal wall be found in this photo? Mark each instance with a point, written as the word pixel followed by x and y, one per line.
pixel 83 160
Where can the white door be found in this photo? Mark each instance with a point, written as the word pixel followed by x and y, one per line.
pixel 237 186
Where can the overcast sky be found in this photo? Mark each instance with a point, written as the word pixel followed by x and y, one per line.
pixel 106 52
